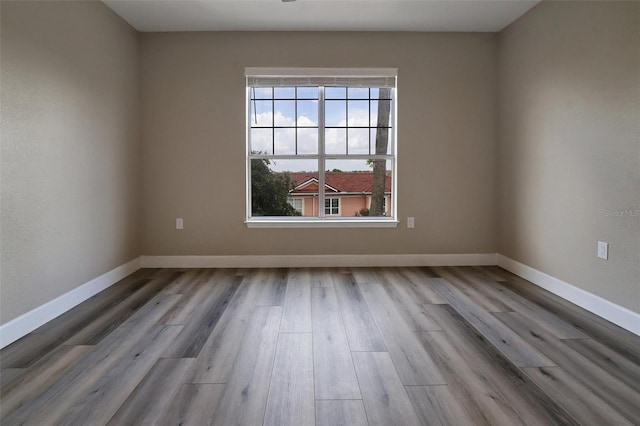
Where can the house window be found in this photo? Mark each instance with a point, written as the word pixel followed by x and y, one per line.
pixel 332 206
pixel 321 146
pixel 296 203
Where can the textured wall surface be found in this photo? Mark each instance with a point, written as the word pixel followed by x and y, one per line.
pixel 569 79
pixel 70 149
pixel 193 102
pixel 524 142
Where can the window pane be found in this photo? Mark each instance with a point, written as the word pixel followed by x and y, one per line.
pixel 335 93
pixel 261 92
pixel 385 93
pixel 359 113
pixel 335 141
pixel 307 141
pixel 382 186
pixel 385 200
pixel 385 136
pixel 373 118
pixel 261 141
pixel 354 179
pixel 275 182
pixel 284 92
pixel 358 141
pixel 335 113
pixel 285 121
pixel 284 113
pixel 358 92
pixel 332 206
pixel 261 113
pixel 374 113
pixel 285 141
pixel 307 113
pixel 348 165
pixel 297 204
pixel 307 92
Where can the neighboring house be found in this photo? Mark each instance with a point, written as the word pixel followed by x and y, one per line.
pixel 346 193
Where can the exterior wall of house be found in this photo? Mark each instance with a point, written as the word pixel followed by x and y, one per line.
pixel 349 204
pixel 310 206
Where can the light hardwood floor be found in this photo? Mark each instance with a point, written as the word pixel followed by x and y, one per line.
pixel 361 346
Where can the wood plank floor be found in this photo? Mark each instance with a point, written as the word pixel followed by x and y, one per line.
pixel 346 346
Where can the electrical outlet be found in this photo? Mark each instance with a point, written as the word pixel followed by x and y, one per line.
pixel 179 223
pixel 603 250
pixel 411 222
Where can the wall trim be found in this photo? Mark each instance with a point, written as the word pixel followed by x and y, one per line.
pixel 610 311
pixel 333 260
pixel 26 323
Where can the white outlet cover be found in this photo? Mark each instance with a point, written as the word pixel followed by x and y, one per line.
pixel 179 223
pixel 411 222
pixel 603 250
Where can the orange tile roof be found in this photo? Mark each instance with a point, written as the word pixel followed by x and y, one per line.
pixel 351 182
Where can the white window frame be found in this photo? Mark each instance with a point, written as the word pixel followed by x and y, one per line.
pixel 322 77
pixel 298 199
pixel 330 199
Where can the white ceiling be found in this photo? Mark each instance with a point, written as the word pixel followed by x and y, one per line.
pixel 320 15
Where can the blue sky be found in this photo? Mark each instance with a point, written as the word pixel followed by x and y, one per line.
pixel 338 112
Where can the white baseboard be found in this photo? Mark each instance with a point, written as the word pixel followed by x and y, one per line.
pixel 26 323
pixel 617 314
pixel 304 261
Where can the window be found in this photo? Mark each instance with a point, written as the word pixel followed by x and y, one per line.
pixel 296 203
pixel 331 206
pixel 321 147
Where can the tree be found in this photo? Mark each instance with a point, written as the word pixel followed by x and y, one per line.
pixel 380 166
pixel 270 191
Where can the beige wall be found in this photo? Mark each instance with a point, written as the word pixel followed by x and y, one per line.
pixel 563 161
pixel 569 76
pixel 193 103
pixel 70 149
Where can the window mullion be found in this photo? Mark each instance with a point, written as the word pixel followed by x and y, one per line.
pixel 248 151
pixel 346 130
pixel 321 160
pixel 273 122
pixel 295 119
pixel 369 123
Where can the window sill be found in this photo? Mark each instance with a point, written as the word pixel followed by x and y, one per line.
pixel 321 223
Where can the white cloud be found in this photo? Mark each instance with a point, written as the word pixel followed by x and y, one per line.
pixel 262 139
pixel 303 120
pixel 335 139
